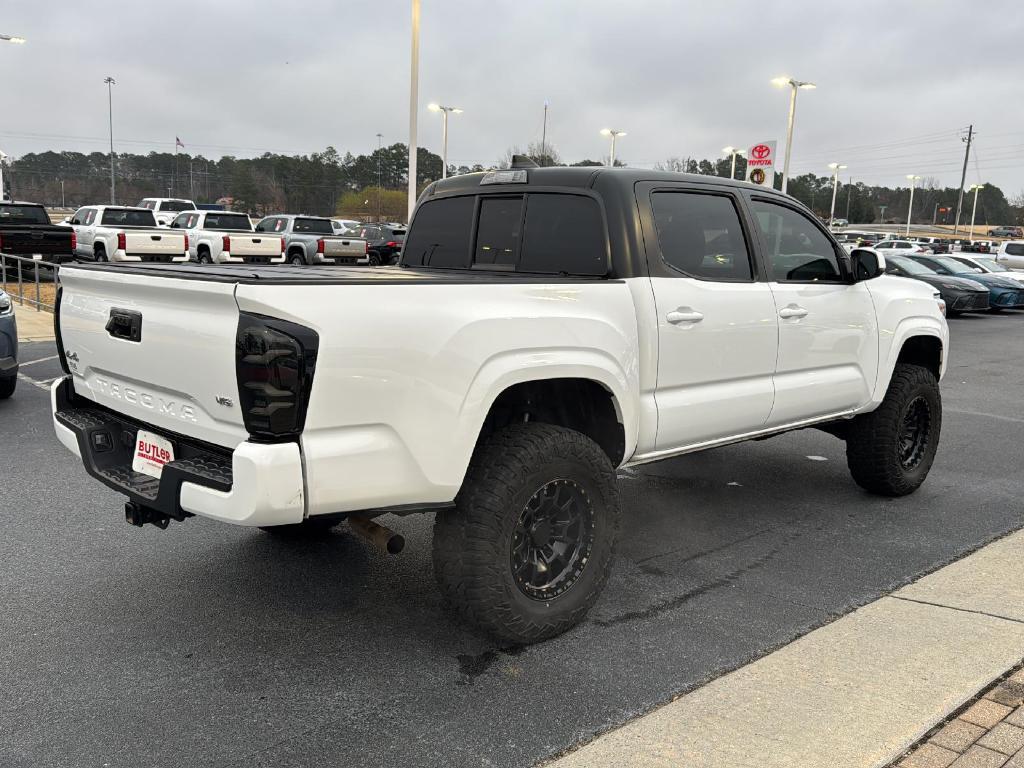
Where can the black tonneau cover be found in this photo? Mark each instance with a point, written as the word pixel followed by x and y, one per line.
pixel 288 274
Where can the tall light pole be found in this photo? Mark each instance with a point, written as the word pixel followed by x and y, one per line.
pixel 17 41
pixel 795 85
pixel 836 168
pixel 444 133
pixel 110 110
pixel 380 146
pixel 544 135
pixel 975 188
pixel 414 97
pixel 910 208
pixel 733 151
pixel 614 133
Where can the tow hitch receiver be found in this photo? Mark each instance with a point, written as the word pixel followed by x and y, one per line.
pixel 138 515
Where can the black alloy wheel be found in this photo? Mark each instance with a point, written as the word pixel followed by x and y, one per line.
pixel 553 540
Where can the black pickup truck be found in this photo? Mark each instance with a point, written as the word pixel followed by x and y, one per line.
pixel 25 230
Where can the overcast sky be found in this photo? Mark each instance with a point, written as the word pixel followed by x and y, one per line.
pixel 897 79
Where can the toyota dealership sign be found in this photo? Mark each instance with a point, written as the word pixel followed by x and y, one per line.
pixel 761 164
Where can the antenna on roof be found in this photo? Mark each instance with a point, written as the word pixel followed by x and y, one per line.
pixel 523 161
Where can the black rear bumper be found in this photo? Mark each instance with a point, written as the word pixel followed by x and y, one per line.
pixel 106 442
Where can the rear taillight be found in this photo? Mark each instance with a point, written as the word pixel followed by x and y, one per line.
pixel 274 365
pixel 320 245
pixel 74 241
pixel 366 246
pixel 186 242
pixel 225 243
pixel 282 245
pixel 392 244
pixel 122 242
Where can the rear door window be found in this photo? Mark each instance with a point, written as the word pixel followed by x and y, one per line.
pixel 700 235
pixel 313 226
pixel 1015 249
pixel 226 221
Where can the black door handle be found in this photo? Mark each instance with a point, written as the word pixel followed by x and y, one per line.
pixel 125 324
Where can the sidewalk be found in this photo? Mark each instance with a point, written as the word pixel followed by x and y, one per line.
pixel 988 733
pixel 33 325
pixel 857 693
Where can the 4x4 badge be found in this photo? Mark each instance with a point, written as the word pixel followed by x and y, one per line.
pixel 225 401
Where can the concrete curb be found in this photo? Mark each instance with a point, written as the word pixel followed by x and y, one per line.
pixel 855 693
pixel 33 325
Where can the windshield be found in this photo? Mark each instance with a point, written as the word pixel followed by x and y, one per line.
pixel 23 214
pixel 992 266
pixel 315 226
pixel 909 266
pixel 953 265
pixel 128 217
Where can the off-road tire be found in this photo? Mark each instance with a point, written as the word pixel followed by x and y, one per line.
pixel 296 259
pixel 373 258
pixel 204 257
pixel 472 542
pixel 7 386
pixel 308 528
pixel 873 441
pixel 100 254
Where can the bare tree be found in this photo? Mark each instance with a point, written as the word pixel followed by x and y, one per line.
pixel 673 164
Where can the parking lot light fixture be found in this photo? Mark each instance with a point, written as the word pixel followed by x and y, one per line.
pixel 444 133
pixel 836 168
pixel 614 133
pixel 110 114
pixel 910 207
pixel 734 152
pixel 976 188
pixel 795 85
pixel 414 96
pixel 13 39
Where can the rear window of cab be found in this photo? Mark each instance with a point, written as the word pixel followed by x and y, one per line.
pixel 538 232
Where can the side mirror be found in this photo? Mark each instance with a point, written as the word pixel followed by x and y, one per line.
pixel 866 264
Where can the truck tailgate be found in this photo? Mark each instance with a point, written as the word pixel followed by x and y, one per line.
pixel 344 246
pixel 154 242
pixel 256 245
pixel 180 375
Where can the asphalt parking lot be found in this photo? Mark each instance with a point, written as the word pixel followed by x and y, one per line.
pixel 207 644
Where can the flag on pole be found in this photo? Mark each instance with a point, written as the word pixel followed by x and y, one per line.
pixel 178 143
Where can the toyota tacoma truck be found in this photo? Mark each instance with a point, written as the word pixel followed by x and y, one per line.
pixel 26 230
pixel 166 209
pixel 123 234
pixel 311 240
pixel 544 328
pixel 227 238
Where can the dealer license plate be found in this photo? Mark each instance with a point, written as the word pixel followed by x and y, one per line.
pixel 151 453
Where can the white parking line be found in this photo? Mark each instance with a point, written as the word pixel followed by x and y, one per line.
pixel 43 385
pixel 40 360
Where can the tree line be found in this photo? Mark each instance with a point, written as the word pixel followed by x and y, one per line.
pixel 363 186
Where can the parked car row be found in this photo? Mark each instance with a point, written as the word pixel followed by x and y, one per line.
pixel 134 234
pixel 966 283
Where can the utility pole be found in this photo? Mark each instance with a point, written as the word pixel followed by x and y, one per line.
pixel 544 135
pixel 963 179
pixel 935 214
pixel 414 87
pixel 849 194
pixel 380 144
pixel 62 205
pixel 110 109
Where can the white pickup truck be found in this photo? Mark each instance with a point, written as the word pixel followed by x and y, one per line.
pixel 545 327
pixel 166 209
pixel 119 233
pixel 223 237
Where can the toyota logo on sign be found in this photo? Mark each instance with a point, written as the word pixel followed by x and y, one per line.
pixel 761 151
